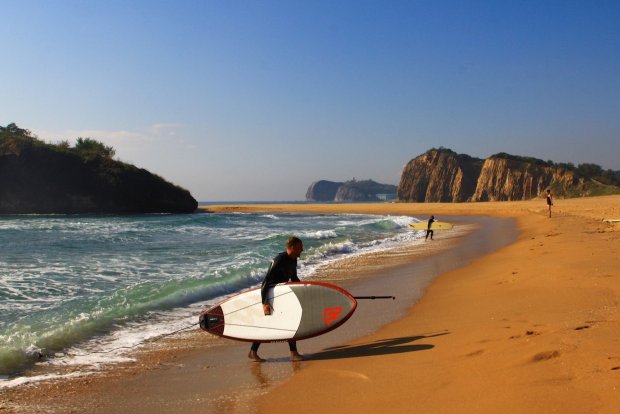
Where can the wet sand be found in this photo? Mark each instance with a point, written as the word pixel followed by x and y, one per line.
pixel 530 327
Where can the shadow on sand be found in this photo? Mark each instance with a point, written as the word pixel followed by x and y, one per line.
pixel 383 347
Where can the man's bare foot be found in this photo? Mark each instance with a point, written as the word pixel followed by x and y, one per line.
pixel 253 355
pixel 296 356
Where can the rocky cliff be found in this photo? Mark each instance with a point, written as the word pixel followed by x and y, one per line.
pixel 42 178
pixel 365 190
pixel 322 190
pixel 503 179
pixel 441 175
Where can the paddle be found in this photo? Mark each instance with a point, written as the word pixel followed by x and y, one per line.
pixel 375 297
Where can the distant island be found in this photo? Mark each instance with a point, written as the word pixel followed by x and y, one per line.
pixel 42 178
pixel 352 190
pixel 442 175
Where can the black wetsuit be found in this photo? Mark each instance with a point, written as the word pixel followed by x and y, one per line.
pixel 428 229
pixel 283 269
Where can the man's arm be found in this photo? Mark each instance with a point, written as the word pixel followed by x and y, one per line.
pixel 294 277
pixel 265 286
pixel 269 280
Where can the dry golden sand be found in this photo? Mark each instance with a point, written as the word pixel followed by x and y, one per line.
pixel 531 328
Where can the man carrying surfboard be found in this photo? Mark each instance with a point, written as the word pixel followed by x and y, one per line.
pixel 428 229
pixel 283 269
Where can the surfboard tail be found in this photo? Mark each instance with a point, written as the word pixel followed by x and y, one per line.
pixel 212 320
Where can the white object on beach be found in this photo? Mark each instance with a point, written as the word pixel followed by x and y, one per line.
pixel 612 220
pixel 300 310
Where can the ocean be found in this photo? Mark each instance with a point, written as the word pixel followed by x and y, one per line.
pixel 82 290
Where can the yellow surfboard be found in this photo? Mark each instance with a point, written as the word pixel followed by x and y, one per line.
pixel 436 225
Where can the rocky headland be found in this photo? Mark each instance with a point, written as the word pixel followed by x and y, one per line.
pixel 41 178
pixel 353 190
pixel 442 175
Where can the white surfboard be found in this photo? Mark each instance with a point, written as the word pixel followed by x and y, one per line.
pixel 300 310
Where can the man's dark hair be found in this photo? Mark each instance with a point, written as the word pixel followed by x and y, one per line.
pixel 292 241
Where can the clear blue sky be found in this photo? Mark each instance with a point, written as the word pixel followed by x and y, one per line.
pixel 255 100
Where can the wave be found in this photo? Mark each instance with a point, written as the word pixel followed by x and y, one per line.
pixel 320 235
pixel 27 342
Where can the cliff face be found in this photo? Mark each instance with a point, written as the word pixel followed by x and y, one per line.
pixel 322 190
pixel 504 179
pixel 353 190
pixel 444 176
pixel 439 176
pixel 35 179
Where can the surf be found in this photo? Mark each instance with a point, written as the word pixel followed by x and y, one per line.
pixel 72 284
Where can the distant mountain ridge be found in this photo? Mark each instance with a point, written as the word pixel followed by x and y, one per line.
pixel 41 178
pixel 442 175
pixel 353 190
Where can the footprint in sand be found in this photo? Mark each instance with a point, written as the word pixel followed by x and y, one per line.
pixel 545 356
pixel 476 353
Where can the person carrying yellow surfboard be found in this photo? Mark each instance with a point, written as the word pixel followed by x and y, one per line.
pixel 428 229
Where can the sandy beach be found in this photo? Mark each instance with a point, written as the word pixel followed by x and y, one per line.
pixel 530 327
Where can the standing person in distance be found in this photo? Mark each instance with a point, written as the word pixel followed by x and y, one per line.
pixel 549 201
pixel 428 229
pixel 283 269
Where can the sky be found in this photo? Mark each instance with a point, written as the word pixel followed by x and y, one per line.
pixel 255 100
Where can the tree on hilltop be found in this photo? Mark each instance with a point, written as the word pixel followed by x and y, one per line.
pixel 15 130
pixel 90 148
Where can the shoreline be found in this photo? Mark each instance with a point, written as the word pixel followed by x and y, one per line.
pixel 98 392
pixel 347 361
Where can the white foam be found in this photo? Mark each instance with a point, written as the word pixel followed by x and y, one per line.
pixel 320 235
pixel 9 383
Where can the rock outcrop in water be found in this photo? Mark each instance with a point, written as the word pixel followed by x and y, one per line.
pixel 40 178
pixel 365 190
pixel 441 175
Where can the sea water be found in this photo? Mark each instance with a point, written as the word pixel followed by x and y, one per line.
pixel 84 289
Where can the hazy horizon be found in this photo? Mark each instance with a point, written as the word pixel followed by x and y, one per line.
pixel 254 101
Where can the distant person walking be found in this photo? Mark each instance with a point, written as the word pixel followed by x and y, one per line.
pixel 283 268
pixel 549 201
pixel 428 229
